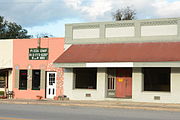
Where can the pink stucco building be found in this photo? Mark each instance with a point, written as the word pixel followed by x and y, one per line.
pixel 33 72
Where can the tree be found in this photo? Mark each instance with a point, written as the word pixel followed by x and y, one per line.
pixel 11 30
pixel 124 14
pixel 43 35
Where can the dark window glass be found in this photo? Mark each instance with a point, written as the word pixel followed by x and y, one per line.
pixel 3 79
pixel 85 78
pixel 23 79
pixel 156 79
pixel 49 91
pixel 51 78
pixel 2 82
pixel 36 76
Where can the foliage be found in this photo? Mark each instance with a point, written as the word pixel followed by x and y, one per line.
pixel 43 35
pixel 1 93
pixel 11 30
pixel 124 14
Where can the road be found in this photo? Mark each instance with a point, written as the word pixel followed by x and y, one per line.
pixel 51 112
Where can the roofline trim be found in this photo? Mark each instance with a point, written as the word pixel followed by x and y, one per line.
pixel 118 64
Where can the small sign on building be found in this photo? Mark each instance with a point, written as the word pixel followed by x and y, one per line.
pixel 38 53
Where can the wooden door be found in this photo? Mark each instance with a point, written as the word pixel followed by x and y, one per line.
pixel 124 82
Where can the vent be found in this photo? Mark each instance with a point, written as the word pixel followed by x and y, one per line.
pixel 156 97
pixel 88 95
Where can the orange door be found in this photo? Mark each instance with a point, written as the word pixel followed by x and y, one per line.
pixel 124 82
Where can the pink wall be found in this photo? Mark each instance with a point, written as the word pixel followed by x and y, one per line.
pixel 28 94
pixel 21 61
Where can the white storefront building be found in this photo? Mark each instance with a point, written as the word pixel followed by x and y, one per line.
pixel 136 60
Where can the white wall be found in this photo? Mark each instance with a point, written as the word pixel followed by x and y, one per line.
pixel 138 94
pixel 80 94
pixel 120 32
pixel 6 53
pixel 159 30
pixel 66 46
pixel 10 80
pixel 85 33
pixel 146 96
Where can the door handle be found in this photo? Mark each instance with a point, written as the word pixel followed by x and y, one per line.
pixel 126 83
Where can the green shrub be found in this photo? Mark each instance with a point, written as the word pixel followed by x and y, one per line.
pixel 1 93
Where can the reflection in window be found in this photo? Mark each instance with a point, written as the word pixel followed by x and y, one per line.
pixel 3 79
pixel 23 80
pixel 51 78
pixel 156 79
pixel 36 76
pixel 85 78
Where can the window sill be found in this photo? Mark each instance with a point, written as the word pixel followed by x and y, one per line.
pixel 35 89
pixel 85 89
pixel 156 92
pixel 22 89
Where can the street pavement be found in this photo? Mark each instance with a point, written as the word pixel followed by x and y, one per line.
pixel 56 112
pixel 102 104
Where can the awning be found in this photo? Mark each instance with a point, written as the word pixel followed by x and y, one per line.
pixel 5 69
pixel 121 52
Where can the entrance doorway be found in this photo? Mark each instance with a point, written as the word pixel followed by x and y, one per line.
pixel 51 85
pixel 123 83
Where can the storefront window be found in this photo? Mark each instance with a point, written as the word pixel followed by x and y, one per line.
pixel 156 79
pixel 36 76
pixel 85 78
pixel 2 81
pixel 23 79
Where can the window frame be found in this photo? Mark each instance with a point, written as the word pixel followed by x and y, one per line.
pixel 160 90
pixel 75 78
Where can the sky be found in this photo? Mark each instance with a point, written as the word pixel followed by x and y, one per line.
pixel 50 16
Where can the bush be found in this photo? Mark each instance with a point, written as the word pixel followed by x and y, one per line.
pixel 1 93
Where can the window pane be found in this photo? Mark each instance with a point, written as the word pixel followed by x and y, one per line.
pixel 51 78
pixel 36 76
pixel 2 82
pixel 23 79
pixel 111 78
pixel 85 78
pixel 156 79
pixel 3 79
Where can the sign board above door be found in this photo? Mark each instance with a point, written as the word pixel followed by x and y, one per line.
pixel 38 53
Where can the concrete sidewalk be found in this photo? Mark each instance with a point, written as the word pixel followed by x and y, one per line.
pixel 104 104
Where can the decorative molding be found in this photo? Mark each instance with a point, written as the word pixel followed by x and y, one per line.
pixel 119 25
pixel 168 22
pixel 86 26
